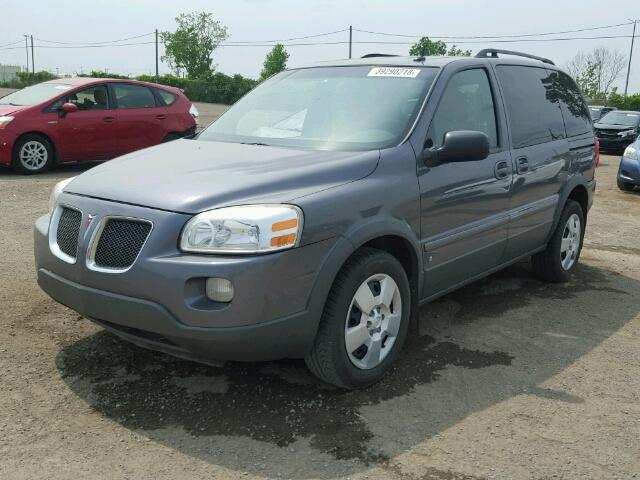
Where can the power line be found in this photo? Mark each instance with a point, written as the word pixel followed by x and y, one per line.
pixel 97 43
pixel 496 36
pixel 9 44
pixel 380 42
pixel 293 38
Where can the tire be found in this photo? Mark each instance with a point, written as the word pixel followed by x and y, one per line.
pixel 342 322
pixel 171 137
pixel 559 260
pixel 624 186
pixel 32 154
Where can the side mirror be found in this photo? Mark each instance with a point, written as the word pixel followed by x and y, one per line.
pixel 68 108
pixel 459 146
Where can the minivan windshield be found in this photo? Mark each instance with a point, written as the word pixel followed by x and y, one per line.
pixel 328 108
pixel 621 118
pixel 34 94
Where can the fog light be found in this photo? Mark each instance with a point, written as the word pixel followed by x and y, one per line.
pixel 219 290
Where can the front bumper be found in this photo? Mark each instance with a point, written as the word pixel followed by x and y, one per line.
pixel 160 301
pixel 615 143
pixel 629 171
pixel 7 141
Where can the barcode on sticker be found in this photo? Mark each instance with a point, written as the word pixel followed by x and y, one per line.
pixel 394 72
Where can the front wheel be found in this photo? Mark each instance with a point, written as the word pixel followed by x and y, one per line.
pixel 624 186
pixel 32 154
pixel 364 323
pixel 559 260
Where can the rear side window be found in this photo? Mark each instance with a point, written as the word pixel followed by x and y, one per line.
pixel 167 98
pixel 534 117
pixel 133 96
pixel 562 90
pixel 466 104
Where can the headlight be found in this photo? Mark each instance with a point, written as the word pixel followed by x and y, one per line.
pixel 243 229
pixel 57 190
pixel 627 133
pixel 5 120
pixel 630 153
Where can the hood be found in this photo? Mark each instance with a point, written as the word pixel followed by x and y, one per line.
pixel 611 126
pixel 9 109
pixel 191 176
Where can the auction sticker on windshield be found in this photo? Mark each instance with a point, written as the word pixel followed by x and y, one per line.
pixel 394 72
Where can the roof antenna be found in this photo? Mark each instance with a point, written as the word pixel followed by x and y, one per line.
pixel 419 59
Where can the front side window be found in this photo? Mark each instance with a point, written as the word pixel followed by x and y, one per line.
pixel 466 104
pixel 92 98
pixel 534 117
pixel 328 108
pixel 133 96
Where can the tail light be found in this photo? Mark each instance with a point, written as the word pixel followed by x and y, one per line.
pixel 596 151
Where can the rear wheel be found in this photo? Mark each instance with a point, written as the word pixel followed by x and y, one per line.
pixel 171 137
pixel 557 262
pixel 32 154
pixel 365 321
pixel 624 186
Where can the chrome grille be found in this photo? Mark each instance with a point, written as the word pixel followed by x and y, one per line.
pixel 68 231
pixel 120 242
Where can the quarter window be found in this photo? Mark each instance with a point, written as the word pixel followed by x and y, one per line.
pixel 533 107
pixel 563 90
pixel 133 96
pixel 467 104
pixel 167 97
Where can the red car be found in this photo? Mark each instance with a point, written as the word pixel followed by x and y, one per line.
pixel 88 119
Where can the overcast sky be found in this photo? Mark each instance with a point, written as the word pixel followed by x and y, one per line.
pixel 101 20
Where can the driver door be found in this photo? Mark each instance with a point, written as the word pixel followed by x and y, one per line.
pixel 464 218
pixel 89 133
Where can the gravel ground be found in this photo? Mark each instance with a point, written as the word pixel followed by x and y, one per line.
pixel 511 379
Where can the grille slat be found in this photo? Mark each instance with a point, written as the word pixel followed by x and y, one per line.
pixel 68 231
pixel 120 243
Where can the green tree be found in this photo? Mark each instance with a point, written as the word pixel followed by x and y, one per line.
pixel 425 47
pixel 190 47
pixel 275 61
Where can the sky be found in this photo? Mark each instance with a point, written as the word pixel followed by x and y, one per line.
pixel 86 21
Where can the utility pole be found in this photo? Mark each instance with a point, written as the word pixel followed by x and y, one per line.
pixel 156 54
pixel 26 47
pixel 350 39
pixel 33 64
pixel 626 84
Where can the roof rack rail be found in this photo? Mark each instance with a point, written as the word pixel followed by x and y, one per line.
pixel 493 53
pixel 372 55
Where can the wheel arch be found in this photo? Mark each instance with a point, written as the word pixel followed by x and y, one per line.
pixel 47 137
pixel 575 189
pixel 392 236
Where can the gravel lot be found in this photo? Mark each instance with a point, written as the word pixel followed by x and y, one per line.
pixel 511 379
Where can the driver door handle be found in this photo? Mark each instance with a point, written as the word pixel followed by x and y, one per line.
pixel 501 169
pixel 109 119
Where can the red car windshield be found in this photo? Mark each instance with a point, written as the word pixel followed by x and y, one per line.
pixel 34 94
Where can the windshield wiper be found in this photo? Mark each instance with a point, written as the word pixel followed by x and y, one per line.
pixel 255 143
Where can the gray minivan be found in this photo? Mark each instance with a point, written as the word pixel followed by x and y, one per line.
pixel 315 216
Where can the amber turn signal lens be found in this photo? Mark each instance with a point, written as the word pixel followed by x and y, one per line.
pixel 283 240
pixel 284 225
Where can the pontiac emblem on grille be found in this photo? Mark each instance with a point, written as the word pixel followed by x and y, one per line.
pixel 90 218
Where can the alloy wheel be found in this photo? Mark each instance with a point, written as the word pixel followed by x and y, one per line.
pixel 33 155
pixel 570 244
